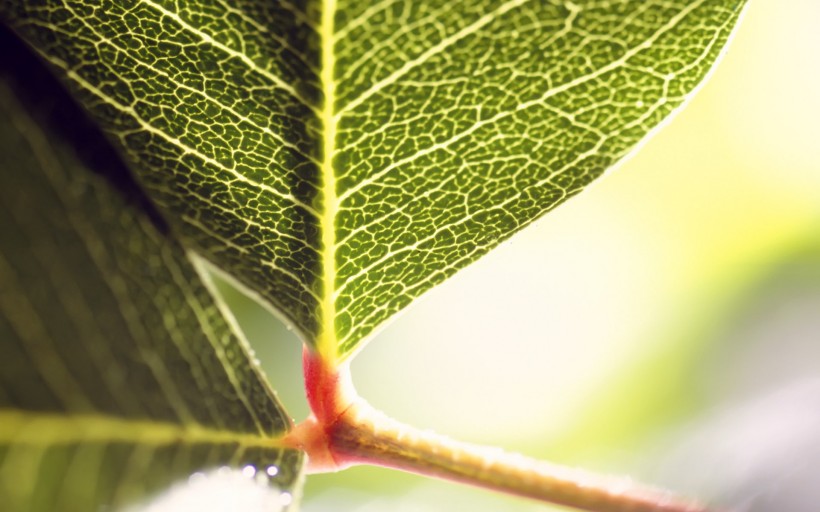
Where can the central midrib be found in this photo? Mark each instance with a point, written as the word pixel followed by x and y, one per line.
pixel 326 343
pixel 49 428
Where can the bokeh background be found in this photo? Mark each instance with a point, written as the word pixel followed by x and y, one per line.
pixel 663 324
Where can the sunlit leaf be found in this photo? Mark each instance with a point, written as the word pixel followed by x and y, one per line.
pixel 342 157
pixel 119 377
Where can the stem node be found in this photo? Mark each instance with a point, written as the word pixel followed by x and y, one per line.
pixel 344 430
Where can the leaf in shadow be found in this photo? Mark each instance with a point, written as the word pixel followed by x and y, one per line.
pixel 119 374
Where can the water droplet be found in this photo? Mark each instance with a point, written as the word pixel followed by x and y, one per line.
pixel 272 471
pixel 639 103
pixel 285 499
pixel 248 471
pixel 196 477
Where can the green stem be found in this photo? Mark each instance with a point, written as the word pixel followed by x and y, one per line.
pixel 362 435
pixel 344 430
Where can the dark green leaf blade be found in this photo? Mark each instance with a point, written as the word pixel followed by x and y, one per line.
pixel 457 127
pixel 119 375
pixel 213 104
pixel 340 157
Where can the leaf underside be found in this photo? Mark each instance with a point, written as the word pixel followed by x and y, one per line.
pixel 118 375
pixel 340 158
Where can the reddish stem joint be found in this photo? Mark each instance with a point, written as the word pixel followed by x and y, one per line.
pixel 344 430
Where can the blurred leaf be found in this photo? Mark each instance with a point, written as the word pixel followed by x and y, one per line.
pixel 119 376
pixel 341 158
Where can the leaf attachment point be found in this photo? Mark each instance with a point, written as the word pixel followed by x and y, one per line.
pixel 344 430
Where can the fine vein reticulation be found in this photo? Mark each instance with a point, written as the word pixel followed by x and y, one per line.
pixel 456 131
pixel 119 376
pixel 341 157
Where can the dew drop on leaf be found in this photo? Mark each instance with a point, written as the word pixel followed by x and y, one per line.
pixel 285 499
pixel 221 490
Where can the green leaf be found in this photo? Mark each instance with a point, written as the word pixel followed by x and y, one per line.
pixel 340 158
pixel 119 376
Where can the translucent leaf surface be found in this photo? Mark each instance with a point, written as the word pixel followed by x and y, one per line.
pixel 119 376
pixel 342 157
